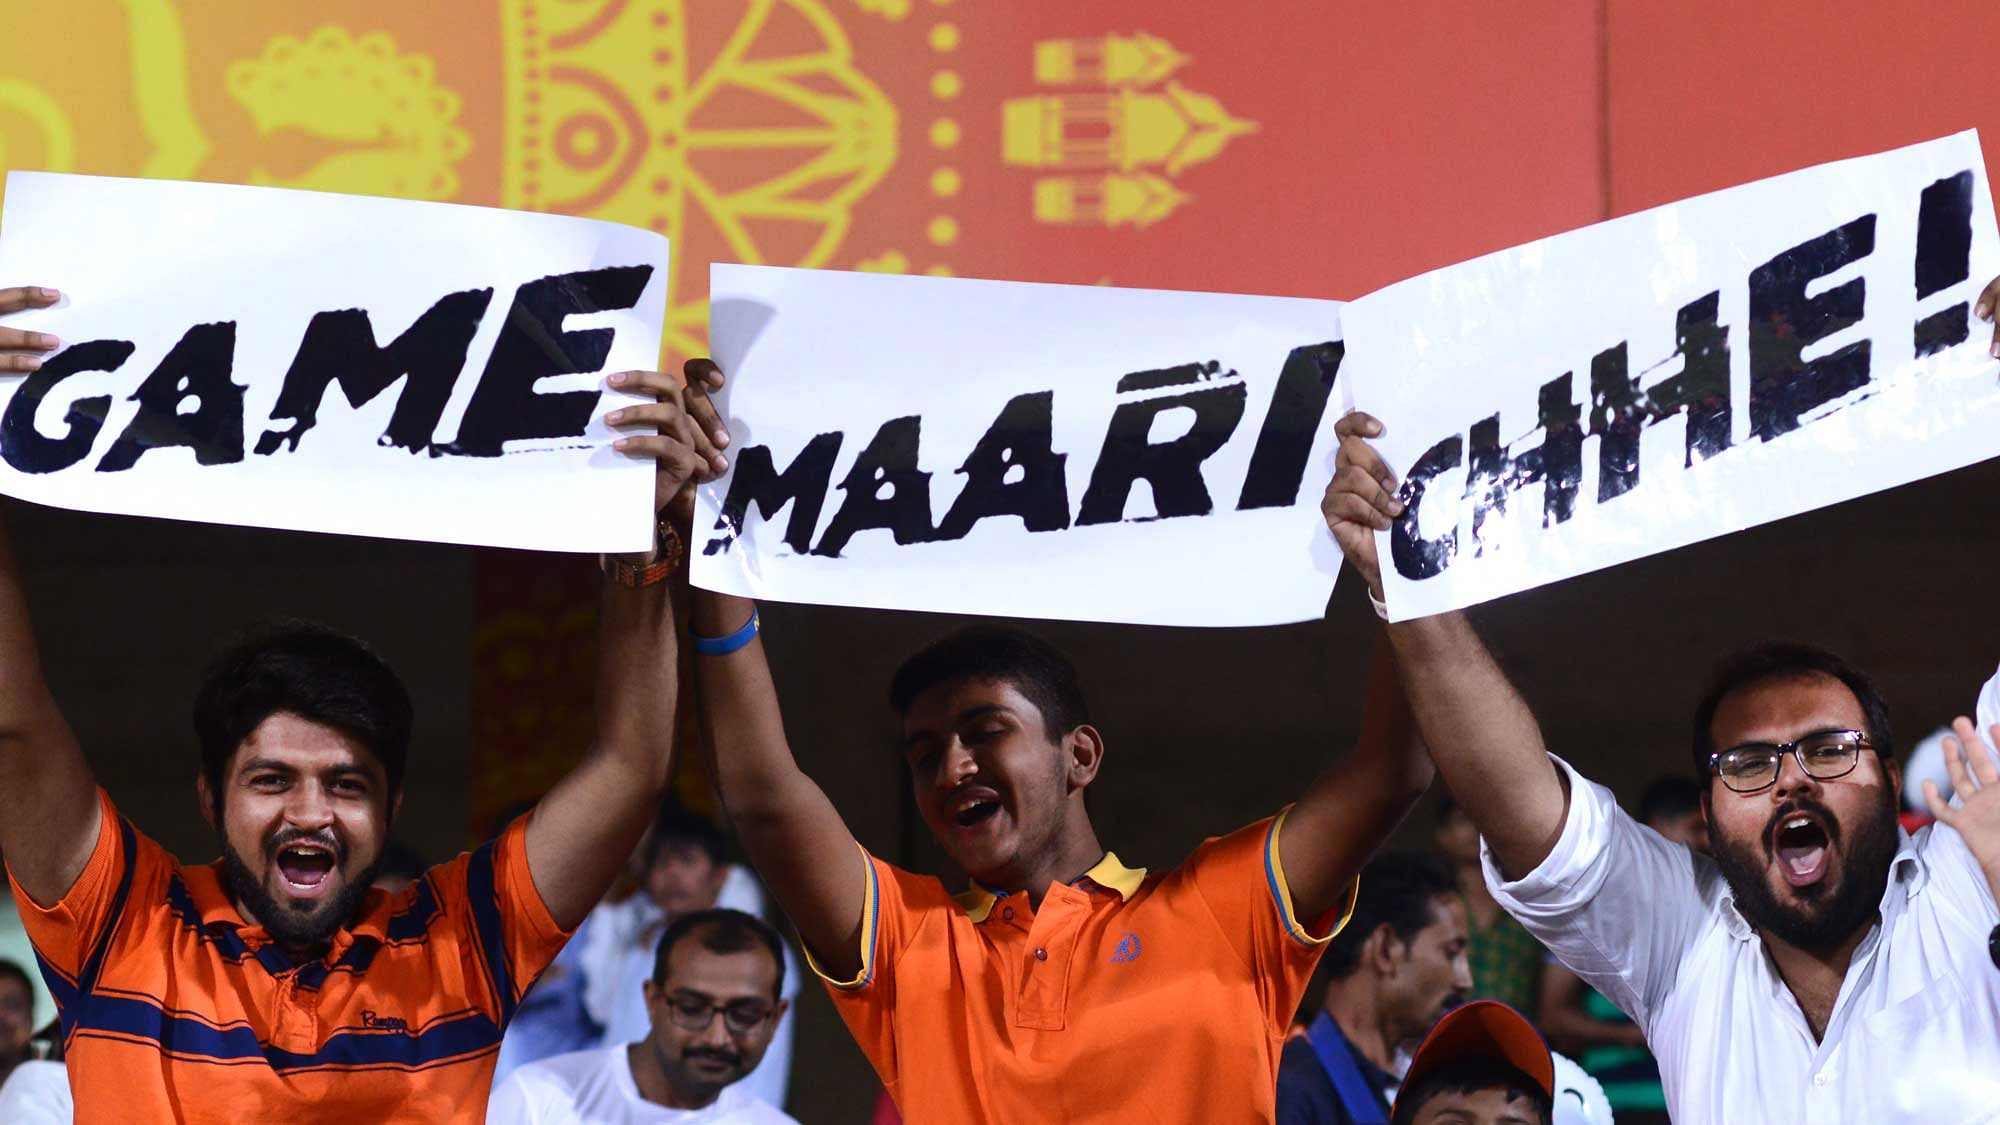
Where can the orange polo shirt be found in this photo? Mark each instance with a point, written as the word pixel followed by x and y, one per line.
pixel 174 1008
pixel 1127 997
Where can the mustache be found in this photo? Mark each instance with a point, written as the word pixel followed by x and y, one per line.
pixel 1792 808
pixel 730 1057
pixel 284 838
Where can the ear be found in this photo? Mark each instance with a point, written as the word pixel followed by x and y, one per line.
pixel 651 992
pixel 395 806
pixel 778 1010
pixel 206 794
pixel 1085 750
pixel 1379 951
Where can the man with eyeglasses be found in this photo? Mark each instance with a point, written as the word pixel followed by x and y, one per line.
pixel 1824 966
pixel 714 1002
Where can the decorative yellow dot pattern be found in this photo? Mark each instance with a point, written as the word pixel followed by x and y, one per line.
pixel 946 182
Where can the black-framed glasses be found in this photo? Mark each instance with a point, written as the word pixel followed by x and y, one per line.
pixel 692 1011
pixel 1755 765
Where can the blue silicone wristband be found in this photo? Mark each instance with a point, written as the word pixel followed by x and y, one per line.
pixel 723 646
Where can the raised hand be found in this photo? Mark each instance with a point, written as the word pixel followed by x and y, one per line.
pixel 14 341
pixel 687 435
pixel 1975 780
pixel 1361 498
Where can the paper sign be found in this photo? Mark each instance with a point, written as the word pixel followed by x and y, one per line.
pixel 1680 373
pixel 1024 450
pixel 329 362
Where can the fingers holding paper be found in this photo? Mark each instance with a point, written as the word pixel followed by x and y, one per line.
pixel 676 430
pixel 1361 498
pixel 19 348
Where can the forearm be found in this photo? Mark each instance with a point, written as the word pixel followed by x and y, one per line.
pixel 589 823
pixel 1484 739
pixel 48 800
pixel 793 833
pixel 1354 805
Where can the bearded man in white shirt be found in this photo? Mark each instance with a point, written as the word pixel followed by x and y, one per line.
pixel 714 1001
pixel 1825 966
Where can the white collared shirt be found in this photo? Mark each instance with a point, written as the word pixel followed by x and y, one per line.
pixel 1915 1032
pixel 596 1087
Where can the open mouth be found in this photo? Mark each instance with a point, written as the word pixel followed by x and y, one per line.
pixel 974 809
pixel 1800 842
pixel 305 867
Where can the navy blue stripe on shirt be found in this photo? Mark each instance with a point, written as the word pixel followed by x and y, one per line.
pixel 414 921
pixel 133 1017
pixel 86 980
pixel 484 898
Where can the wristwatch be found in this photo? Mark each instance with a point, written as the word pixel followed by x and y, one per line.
pixel 669 550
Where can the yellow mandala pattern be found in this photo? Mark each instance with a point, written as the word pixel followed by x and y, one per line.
pixel 764 144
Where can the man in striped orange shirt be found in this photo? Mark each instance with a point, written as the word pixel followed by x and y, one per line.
pixel 275 984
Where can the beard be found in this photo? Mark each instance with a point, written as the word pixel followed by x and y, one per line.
pixel 1830 914
pixel 288 926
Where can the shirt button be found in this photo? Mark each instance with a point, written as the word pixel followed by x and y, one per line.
pixel 1007 913
pixel 1821 1080
pixel 1041 954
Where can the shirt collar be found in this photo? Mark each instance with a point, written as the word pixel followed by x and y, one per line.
pixel 977 901
pixel 1907 875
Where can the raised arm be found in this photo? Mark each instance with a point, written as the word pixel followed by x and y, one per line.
pixel 587 826
pixel 794 835
pixel 48 802
pixel 1480 732
pixel 1353 806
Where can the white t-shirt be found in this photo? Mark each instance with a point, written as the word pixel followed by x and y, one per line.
pixel 1914 1036
pixel 36 1093
pixel 596 1088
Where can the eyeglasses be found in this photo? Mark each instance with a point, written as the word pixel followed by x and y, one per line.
pixel 693 1012
pixel 1755 765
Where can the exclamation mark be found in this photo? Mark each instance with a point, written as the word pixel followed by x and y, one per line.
pixel 1944 258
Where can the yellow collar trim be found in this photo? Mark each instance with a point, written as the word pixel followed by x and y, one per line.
pixel 977 901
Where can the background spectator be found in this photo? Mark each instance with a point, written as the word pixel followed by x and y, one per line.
pixel 1506 961
pixel 713 1000
pixel 1397 965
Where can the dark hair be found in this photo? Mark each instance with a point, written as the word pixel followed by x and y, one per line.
pixel 676 825
pixel 1672 795
pixel 309 670
pixel 722 931
pixel 1397 890
pixel 1470 1075
pixel 14 969
pixel 1778 660
pixel 997 652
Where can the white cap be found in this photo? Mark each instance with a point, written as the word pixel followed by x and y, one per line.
pixel 1579 1099
pixel 1926 763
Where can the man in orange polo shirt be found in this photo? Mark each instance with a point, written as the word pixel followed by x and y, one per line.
pixel 1063 985
pixel 275 984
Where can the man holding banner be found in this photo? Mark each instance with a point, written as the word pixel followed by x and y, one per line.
pixel 1062 985
pixel 275 983
pixel 1824 966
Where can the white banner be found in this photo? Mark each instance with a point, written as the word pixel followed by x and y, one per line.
pixel 1023 450
pixel 1680 373
pixel 328 362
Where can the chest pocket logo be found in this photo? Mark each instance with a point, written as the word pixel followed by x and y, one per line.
pixel 1128 949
